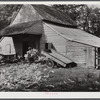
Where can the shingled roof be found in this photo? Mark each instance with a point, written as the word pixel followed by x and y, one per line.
pixel 35 13
pixel 76 35
pixel 48 13
pixel 34 27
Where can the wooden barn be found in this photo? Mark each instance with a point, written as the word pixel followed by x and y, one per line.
pixel 42 27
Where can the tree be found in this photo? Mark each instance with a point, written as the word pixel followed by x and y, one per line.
pixel 7 12
pixel 87 18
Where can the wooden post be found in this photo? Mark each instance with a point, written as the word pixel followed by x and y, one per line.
pixel 95 57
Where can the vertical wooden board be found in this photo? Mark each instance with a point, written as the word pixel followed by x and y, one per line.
pixel 90 56
pixel 18 45
pixel 80 53
pixel 75 52
pixel 58 42
pixel 27 13
pixel 96 57
pixel 43 40
pixel 42 47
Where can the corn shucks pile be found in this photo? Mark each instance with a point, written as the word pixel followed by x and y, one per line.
pixel 23 77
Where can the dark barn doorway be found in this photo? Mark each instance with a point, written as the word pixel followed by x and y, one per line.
pixel 25 47
pixel 23 42
pixel 27 44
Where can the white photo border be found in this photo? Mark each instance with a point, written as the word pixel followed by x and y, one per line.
pixel 50 95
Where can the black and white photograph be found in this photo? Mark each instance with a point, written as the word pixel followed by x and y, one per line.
pixel 50 47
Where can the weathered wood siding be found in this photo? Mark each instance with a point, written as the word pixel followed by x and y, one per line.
pixel 83 55
pixel 51 37
pixel 43 40
pixel 91 57
pixel 27 13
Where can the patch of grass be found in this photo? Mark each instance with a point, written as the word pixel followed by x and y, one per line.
pixel 72 79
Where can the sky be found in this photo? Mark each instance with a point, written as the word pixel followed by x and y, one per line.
pixel 94 5
pixel 90 5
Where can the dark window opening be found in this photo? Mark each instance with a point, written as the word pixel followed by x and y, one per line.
pixel 25 47
pixel 48 47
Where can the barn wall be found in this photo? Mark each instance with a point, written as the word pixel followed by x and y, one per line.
pixel 91 56
pixel 51 37
pixel 43 40
pixel 82 54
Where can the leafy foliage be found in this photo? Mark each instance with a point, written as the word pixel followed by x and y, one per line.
pixel 22 77
pixel 87 18
pixel 7 12
pixel 37 77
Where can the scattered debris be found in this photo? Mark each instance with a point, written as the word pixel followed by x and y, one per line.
pixel 23 75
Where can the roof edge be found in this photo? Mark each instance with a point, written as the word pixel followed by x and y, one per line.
pixel 69 39
pixel 59 24
pixel 16 15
